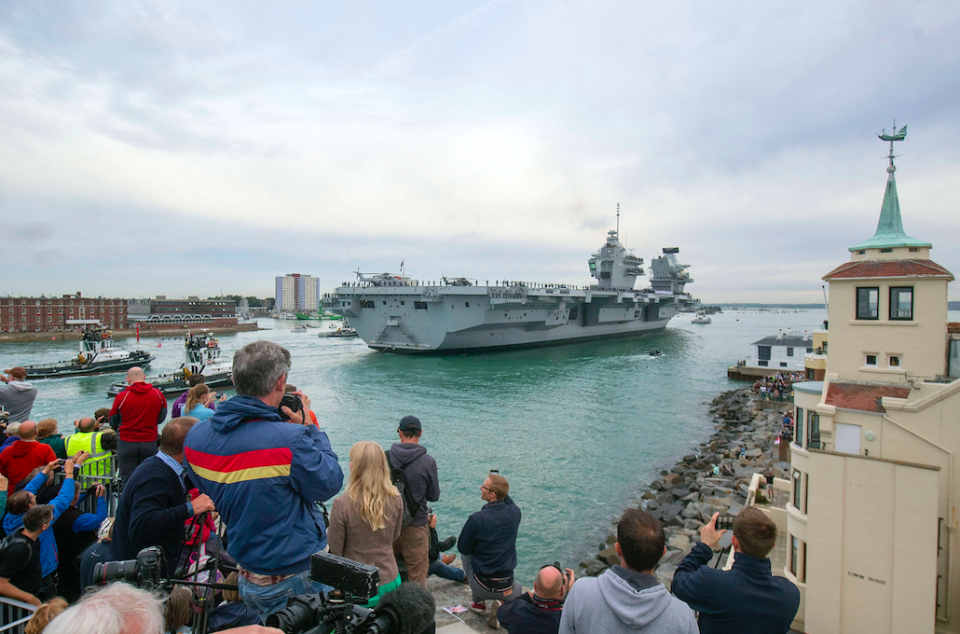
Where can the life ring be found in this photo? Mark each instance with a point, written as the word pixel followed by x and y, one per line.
pixel 209 361
pixel 211 344
pixel 106 336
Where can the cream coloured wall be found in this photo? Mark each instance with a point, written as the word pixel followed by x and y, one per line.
pixel 871 559
pixel 898 253
pixel 920 343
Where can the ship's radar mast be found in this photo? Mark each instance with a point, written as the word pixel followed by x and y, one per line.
pixel 612 266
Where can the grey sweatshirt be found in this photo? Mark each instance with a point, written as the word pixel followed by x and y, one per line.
pixel 17 398
pixel 421 475
pixel 608 604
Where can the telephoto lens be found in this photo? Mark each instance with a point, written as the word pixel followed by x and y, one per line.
pixel 302 613
pixel 110 571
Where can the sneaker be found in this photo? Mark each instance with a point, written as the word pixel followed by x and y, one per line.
pixel 479 608
pixel 449 558
pixel 492 621
pixel 448 543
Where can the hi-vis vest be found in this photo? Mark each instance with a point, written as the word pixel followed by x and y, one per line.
pixel 97 463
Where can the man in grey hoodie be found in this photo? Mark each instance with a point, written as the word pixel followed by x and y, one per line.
pixel 423 485
pixel 628 597
pixel 17 396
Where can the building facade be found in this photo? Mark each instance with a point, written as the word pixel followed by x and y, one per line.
pixel 872 522
pixel 161 311
pixel 298 293
pixel 40 314
pixel 783 351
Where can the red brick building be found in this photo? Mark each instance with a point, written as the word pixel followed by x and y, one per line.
pixel 36 314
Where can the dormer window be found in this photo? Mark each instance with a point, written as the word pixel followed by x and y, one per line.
pixel 861 252
pixel 886 250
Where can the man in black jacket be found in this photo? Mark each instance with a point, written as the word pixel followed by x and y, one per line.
pixel 746 599
pixel 539 612
pixel 488 548
pixel 153 506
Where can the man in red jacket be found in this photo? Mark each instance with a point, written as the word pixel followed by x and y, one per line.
pixel 25 455
pixel 136 413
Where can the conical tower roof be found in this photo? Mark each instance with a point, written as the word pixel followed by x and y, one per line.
pixel 890 231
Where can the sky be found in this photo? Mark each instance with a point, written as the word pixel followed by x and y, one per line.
pixel 203 147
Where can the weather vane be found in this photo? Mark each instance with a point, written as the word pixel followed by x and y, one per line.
pixel 893 136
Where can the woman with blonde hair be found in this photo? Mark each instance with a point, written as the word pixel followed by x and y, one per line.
pixel 198 400
pixel 367 518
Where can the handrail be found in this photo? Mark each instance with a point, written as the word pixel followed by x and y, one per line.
pixel 14 615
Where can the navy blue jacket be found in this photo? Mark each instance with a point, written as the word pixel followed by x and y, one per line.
pixel 747 599
pixel 490 538
pixel 527 616
pixel 151 512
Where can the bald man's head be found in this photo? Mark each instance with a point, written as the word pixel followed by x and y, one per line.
pixel 87 424
pixel 28 430
pixel 549 584
pixel 135 375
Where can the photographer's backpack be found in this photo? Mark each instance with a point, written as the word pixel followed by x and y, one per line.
pixel 410 506
pixel 14 537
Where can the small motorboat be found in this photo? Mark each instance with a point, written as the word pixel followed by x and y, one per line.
pixel 342 330
pixel 701 318
pixel 656 353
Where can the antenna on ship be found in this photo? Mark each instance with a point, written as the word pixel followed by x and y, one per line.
pixel 618 209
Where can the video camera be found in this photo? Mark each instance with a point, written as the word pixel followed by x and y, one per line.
pixel 406 610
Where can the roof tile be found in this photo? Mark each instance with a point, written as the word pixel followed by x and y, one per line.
pixel 888 268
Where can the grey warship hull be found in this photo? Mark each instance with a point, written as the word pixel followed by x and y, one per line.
pixel 394 313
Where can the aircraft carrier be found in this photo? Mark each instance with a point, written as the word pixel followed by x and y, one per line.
pixel 395 313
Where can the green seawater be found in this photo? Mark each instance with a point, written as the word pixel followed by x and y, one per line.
pixel 577 429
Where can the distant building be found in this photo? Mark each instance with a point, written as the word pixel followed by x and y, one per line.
pixel 872 525
pixel 297 293
pixel 34 314
pixel 784 351
pixel 165 313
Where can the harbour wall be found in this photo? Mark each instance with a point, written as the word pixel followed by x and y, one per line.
pixel 146 331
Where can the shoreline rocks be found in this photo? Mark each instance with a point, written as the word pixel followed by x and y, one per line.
pixel 715 479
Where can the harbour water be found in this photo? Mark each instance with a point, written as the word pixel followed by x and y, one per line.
pixel 576 429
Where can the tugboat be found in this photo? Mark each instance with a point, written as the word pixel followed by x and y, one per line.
pixel 701 318
pixel 97 356
pixel 343 331
pixel 201 355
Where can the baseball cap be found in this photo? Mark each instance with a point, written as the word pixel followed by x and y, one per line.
pixel 18 372
pixel 410 424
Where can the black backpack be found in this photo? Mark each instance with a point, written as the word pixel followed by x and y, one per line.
pixel 15 536
pixel 410 506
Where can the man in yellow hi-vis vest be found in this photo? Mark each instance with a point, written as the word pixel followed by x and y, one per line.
pixel 99 444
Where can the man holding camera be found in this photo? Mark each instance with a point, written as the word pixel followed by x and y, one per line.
pixel 539 612
pixel 747 598
pixel 265 476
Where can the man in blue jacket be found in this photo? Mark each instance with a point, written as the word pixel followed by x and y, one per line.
pixel 746 599
pixel 265 476
pixel 488 548
pixel 22 501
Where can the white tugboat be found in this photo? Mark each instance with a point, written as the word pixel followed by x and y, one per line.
pixel 701 318
pixel 398 314
pixel 201 355
pixel 97 355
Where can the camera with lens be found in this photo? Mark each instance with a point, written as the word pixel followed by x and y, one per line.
pixel 293 402
pixel 146 571
pixel 410 608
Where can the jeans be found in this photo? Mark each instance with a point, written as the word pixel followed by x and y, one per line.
pixel 442 570
pixel 481 594
pixel 131 454
pixel 265 600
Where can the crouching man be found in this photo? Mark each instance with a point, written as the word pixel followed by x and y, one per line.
pixel 628 598
pixel 538 612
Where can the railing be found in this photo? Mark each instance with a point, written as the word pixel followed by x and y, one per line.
pixel 103 471
pixel 783 398
pixel 14 615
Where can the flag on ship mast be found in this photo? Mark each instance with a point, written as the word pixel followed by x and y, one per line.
pixel 138 332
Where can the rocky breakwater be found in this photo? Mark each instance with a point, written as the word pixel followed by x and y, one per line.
pixel 713 480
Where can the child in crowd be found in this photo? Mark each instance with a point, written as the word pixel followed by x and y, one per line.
pixel 44 614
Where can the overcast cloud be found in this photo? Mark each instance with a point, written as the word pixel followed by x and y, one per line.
pixel 189 148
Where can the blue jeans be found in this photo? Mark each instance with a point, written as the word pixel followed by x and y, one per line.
pixel 265 600
pixel 444 571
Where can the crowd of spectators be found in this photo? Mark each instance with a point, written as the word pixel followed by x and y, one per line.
pixel 777 385
pixel 256 470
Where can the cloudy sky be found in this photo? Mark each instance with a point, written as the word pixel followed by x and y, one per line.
pixel 185 148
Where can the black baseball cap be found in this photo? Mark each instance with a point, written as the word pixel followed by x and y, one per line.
pixel 410 425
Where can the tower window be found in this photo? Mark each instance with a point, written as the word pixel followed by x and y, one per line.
pixel 868 303
pixel 870 360
pixel 901 303
pixel 893 361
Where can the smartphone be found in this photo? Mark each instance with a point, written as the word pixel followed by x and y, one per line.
pixel 725 522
